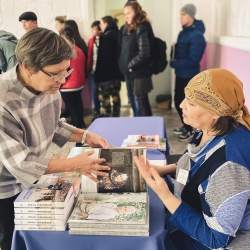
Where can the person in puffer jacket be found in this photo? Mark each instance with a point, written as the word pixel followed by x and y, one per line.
pixel 8 44
pixel 136 51
pixel 189 49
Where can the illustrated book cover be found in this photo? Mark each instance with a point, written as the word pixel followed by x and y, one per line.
pixel 123 175
pixel 111 208
pixel 148 141
pixel 41 195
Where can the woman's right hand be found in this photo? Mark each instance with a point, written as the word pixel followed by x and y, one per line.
pixel 83 164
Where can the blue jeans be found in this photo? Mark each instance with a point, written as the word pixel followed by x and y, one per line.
pixel 95 92
pixel 132 98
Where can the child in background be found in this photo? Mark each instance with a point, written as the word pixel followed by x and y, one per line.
pixel 93 45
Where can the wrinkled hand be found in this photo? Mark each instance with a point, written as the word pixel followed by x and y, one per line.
pixel 152 178
pixel 96 141
pixel 88 166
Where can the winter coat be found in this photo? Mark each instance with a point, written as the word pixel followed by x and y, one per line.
pixel 136 51
pixel 107 60
pixel 189 49
pixel 8 44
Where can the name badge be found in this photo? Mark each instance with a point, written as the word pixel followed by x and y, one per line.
pixel 182 176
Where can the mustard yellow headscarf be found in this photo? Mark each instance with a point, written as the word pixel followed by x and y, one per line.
pixel 220 92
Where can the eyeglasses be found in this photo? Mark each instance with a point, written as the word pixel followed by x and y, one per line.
pixel 58 77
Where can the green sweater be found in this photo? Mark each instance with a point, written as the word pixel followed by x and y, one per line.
pixel 8 44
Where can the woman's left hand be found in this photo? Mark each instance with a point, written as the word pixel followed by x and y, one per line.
pixel 96 141
pixel 152 178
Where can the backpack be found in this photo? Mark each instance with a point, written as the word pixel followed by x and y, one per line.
pixel 159 56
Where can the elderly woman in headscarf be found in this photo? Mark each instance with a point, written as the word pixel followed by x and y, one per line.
pixel 210 207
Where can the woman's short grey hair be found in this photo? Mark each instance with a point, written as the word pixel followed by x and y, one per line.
pixel 41 47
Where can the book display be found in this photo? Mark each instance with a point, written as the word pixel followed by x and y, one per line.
pixel 125 214
pixel 46 205
pixel 147 141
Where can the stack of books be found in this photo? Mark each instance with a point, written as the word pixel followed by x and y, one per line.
pixel 124 214
pixel 118 204
pixel 46 205
pixel 148 141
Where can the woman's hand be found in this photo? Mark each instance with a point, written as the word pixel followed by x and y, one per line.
pixel 96 141
pixel 152 178
pixel 155 181
pixel 83 164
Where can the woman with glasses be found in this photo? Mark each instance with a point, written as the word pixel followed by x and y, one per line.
pixel 30 104
pixel 71 91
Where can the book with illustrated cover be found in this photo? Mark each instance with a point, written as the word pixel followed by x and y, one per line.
pixel 148 141
pixel 41 195
pixel 58 180
pixel 112 210
pixel 123 175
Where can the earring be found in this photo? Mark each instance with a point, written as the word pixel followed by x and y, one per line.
pixel 29 76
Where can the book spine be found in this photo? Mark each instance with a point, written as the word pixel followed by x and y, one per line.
pixel 40 228
pixel 124 233
pixel 39 217
pixel 49 211
pixel 111 227
pixel 40 222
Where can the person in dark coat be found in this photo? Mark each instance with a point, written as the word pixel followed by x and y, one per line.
pixel 135 59
pixel 189 49
pixel 107 74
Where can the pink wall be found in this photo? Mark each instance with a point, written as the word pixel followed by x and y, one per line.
pixel 235 60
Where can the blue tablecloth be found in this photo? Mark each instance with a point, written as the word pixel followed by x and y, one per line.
pixel 114 130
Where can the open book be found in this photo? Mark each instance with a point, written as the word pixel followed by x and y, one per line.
pixel 123 175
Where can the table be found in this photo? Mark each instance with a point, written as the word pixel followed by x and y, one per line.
pixel 114 130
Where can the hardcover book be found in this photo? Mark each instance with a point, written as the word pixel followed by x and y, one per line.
pixel 123 175
pixel 58 180
pixel 111 209
pixel 45 210
pixel 148 141
pixel 40 195
pixel 41 227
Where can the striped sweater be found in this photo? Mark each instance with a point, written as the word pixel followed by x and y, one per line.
pixel 215 208
pixel 28 125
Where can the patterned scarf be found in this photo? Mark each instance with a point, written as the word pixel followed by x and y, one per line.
pixel 220 92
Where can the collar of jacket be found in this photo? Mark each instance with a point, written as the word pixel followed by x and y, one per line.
pixel 109 28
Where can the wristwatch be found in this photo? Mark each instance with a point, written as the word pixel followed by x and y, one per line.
pixel 84 136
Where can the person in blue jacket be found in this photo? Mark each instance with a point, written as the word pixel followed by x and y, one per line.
pixel 189 49
pixel 210 206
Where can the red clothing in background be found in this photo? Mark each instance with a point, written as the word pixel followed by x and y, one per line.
pixel 90 53
pixel 77 78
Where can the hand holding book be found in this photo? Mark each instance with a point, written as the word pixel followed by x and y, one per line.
pixel 88 166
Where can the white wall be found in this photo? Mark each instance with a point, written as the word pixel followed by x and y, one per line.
pixel 160 13
pixel 227 21
pixel 46 10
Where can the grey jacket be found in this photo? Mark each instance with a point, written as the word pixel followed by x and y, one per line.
pixel 8 44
